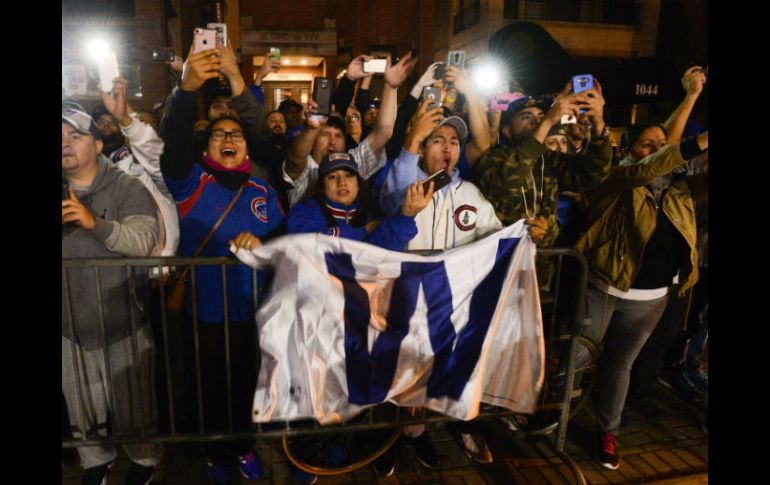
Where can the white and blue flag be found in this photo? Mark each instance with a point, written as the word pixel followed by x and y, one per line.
pixel 348 325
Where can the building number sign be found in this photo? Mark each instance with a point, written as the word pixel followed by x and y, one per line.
pixel 646 89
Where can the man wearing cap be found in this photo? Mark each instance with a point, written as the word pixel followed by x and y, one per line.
pixel 108 214
pixel 308 148
pixel 458 215
pixel 523 179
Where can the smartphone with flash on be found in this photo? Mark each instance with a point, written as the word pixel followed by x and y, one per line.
pixel 108 71
pixel 440 180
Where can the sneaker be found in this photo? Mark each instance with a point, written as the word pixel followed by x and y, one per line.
pixel 302 476
pixel 250 465
pixel 218 472
pixel 475 447
pixel 139 475
pixel 676 380
pixel 423 449
pixel 385 465
pixel 96 475
pixel 607 451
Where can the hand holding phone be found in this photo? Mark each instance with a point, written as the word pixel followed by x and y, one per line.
pixel 434 95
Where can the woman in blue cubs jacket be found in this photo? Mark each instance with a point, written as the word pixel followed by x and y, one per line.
pixel 336 209
pixel 203 186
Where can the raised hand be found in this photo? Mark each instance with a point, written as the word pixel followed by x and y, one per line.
pixel 199 68
pixel 416 198
pixel 115 101
pixel 395 75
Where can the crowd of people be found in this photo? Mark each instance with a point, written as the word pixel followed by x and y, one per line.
pixel 136 186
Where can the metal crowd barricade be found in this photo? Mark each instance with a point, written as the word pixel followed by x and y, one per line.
pixel 134 267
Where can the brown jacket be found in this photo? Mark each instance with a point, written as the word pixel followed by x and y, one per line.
pixel 623 216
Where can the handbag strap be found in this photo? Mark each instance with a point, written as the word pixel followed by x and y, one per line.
pixel 213 230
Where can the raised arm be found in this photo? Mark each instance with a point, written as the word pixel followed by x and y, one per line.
pixel 176 127
pixel 477 116
pixel 395 75
pixel 692 82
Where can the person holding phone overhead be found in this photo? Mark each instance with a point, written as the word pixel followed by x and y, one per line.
pixel 220 204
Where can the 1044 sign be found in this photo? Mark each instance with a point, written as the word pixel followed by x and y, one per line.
pixel 646 89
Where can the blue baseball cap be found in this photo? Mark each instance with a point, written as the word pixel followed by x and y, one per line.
pixel 542 102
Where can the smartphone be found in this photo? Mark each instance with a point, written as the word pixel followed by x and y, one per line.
pixel 375 65
pixel 440 71
pixel 108 71
pixel 582 82
pixel 204 39
pixel 434 94
pixel 323 88
pixel 221 30
pixel 165 54
pixel 500 101
pixel 440 180
pixel 456 58
pixel 275 54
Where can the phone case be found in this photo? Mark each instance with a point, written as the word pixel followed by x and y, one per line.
pixel 204 39
pixel 221 30
pixel 430 92
pixel 375 65
pixel 582 82
pixel 322 94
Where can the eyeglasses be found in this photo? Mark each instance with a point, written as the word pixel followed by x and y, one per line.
pixel 353 118
pixel 220 135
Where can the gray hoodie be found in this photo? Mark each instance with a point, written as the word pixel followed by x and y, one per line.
pixel 126 225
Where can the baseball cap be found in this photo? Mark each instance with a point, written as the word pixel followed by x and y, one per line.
pixel 542 102
pixel 455 122
pixel 557 129
pixel 80 120
pixel 335 161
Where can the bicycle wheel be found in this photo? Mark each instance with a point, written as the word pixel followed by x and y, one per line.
pixel 338 453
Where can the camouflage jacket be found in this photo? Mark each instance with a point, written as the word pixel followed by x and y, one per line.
pixel 503 172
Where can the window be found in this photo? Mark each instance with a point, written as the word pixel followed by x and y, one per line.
pixel 469 14
pixel 623 12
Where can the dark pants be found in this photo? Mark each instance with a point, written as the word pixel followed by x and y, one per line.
pixel 666 345
pixel 214 372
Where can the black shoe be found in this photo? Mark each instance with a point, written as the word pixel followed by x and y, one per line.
pixel 96 475
pixel 607 451
pixel 423 449
pixel 139 475
pixel 384 466
pixel 475 447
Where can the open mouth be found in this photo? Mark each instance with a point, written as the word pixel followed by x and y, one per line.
pixel 228 152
